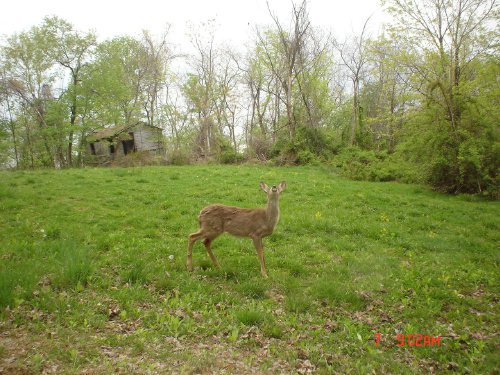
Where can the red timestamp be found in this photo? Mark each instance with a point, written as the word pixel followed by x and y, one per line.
pixel 412 339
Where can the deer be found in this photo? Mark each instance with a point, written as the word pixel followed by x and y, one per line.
pixel 255 223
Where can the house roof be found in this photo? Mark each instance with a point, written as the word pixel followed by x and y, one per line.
pixel 109 132
pixel 115 131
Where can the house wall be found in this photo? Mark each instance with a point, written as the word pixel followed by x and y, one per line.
pixel 102 148
pixel 145 139
pixel 148 139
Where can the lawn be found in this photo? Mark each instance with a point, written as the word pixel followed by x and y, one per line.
pixel 93 276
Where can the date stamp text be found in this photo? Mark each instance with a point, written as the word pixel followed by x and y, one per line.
pixel 412 339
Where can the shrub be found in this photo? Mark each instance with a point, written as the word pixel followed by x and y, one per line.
pixel 308 146
pixel 178 157
pixel 230 157
pixel 260 147
pixel 305 157
pixel 379 166
pixel 227 154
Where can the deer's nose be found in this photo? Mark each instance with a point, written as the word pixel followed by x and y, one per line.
pixel 274 188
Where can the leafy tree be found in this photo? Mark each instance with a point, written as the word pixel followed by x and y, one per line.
pixel 72 51
pixel 445 45
pixel 386 94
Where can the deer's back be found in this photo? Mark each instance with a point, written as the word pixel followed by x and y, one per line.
pixel 235 220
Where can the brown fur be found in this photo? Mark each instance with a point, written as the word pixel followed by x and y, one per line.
pixel 254 223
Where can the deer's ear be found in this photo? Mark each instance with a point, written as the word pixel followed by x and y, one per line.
pixel 264 187
pixel 281 186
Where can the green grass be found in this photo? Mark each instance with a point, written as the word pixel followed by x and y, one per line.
pixel 93 279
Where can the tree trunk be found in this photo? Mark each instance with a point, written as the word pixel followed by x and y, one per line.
pixel 355 112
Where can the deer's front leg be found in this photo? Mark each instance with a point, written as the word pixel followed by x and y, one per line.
pixel 257 241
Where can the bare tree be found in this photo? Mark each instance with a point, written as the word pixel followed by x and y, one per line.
pixel 155 59
pixel 353 55
pixel 284 62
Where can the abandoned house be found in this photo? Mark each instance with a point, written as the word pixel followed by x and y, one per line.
pixel 118 141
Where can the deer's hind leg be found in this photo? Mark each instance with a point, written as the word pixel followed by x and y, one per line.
pixel 207 241
pixel 193 237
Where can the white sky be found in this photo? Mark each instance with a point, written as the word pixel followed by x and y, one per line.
pixel 235 19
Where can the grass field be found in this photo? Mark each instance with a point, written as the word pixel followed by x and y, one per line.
pixel 93 279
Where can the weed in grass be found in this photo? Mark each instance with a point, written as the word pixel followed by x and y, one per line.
pixel 337 292
pixel 136 273
pixel 250 317
pixel 297 303
pixel 76 267
pixel 16 283
pixel 271 329
pixel 52 234
pixel 295 268
pixel 253 289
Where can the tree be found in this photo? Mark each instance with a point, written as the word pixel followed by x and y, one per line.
pixel 155 57
pixel 116 77
pixel 290 70
pixel 445 45
pixel 28 73
pixel 72 50
pixel 353 54
pixel 210 91
pixel 282 50
pixel 386 95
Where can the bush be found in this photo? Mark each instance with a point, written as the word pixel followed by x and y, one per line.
pixel 370 165
pixel 178 157
pixel 230 157
pixel 308 146
pixel 260 147
pixel 305 157
pixel 227 154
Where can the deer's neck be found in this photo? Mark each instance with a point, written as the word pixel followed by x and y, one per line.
pixel 273 212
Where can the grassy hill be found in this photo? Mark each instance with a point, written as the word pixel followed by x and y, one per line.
pixel 93 279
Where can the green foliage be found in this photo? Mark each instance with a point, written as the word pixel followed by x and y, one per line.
pixel 227 154
pixel 5 144
pixel 310 145
pixel 464 158
pixel 370 165
pixel 179 157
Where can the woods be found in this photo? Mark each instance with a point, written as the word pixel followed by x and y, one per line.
pixel 416 103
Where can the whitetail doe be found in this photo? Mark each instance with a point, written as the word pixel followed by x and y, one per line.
pixel 255 223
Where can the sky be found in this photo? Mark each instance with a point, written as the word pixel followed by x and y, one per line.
pixel 235 19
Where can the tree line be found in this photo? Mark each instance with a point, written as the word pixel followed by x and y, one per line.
pixel 418 102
